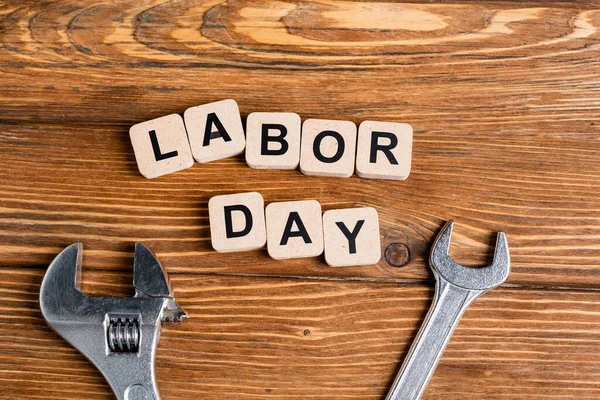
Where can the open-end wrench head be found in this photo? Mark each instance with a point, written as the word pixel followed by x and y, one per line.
pixel 483 278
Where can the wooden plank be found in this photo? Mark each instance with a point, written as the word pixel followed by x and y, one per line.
pixel 253 338
pixel 87 189
pixel 502 97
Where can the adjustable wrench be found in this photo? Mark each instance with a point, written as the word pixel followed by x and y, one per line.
pixel 118 334
pixel 456 287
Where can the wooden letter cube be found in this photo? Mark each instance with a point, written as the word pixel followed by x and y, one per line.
pixel 161 146
pixel 237 222
pixel 273 140
pixel 215 130
pixel 351 237
pixel 294 229
pixel 328 148
pixel 384 150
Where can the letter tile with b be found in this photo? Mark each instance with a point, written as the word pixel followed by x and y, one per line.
pixel 351 237
pixel 273 140
pixel 328 148
pixel 384 150
pixel 161 146
pixel 237 222
pixel 215 130
pixel 294 229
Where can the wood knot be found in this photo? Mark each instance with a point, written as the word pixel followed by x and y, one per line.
pixel 397 254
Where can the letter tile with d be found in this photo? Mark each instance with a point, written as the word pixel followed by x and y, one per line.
pixel 237 222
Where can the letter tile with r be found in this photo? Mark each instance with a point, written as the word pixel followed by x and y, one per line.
pixel 384 150
pixel 351 237
pixel 294 229
pixel 237 222
pixel 161 146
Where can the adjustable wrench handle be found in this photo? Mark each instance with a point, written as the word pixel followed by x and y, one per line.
pixel 131 375
pixel 139 392
pixel 139 388
pixel 449 304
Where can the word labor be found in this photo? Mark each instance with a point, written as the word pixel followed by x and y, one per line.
pixel 275 140
pixel 294 229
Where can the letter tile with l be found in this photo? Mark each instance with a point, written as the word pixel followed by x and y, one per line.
pixel 161 146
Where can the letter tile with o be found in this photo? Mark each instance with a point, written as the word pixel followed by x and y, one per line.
pixel 328 148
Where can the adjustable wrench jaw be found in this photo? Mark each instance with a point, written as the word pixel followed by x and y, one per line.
pixel 483 278
pixel 119 335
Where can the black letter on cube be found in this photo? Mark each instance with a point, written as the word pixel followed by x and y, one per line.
pixel 264 145
pixel 351 236
pixel 288 233
pixel 158 155
pixel 229 232
pixel 212 119
pixel 385 148
pixel 317 147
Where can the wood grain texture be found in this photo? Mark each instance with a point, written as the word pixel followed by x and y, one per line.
pixel 504 99
pixel 251 338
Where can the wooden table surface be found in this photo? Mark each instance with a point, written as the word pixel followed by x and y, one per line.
pixel 504 99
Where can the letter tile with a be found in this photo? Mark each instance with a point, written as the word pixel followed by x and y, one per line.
pixel 294 229
pixel 215 130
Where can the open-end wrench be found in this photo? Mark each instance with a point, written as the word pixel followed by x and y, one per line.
pixel 456 287
pixel 118 334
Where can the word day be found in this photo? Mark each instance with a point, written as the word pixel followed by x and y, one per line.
pixel 273 140
pixel 294 229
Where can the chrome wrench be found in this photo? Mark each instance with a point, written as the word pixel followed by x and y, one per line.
pixel 456 288
pixel 118 334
